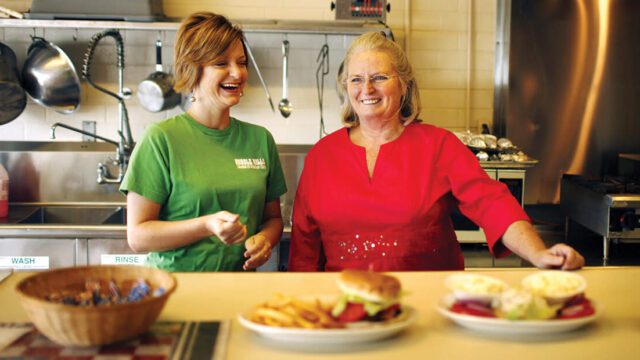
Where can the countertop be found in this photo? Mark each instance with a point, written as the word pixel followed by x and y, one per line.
pixel 212 296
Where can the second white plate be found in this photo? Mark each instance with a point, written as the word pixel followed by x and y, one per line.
pixel 511 327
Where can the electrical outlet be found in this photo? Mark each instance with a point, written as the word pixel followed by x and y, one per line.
pixel 90 127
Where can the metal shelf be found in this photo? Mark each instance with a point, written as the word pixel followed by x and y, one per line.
pixel 337 27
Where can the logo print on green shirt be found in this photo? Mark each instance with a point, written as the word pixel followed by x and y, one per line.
pixel 259 164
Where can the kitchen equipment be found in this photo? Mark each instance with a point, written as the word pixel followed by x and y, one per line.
pixel 49 77
pixel 285 105
pixel 93 325
pixel 128 10
pixel 321 72
pixel 4 192
pixel 552 80
pixel 361 9
pixel 156 91
pixel 13 99
pixel 125 144
pixel 609 206
pixel 255 65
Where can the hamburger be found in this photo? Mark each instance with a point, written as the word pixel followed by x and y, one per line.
pixel 367 296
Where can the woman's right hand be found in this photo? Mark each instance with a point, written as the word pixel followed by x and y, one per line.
pixel 227 227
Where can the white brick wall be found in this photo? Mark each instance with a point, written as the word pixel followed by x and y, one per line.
pixel 438 44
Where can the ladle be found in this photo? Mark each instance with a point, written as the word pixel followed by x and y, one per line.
pixel 285 106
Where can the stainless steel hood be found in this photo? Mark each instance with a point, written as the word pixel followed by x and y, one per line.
pixel 567 86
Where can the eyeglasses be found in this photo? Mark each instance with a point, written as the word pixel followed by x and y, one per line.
pixel 376 80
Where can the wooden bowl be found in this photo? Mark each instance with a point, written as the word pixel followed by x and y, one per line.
pixel 71 325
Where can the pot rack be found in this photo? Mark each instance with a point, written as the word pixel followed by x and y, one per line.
pixel 335 27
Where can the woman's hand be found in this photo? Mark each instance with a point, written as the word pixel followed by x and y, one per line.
pixel 258 251
pixel 560 256
pixel 226 227
pixel 521 238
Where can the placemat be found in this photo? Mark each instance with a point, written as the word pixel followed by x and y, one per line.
pixel 163 341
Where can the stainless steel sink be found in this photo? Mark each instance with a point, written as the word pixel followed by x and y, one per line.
pixel 77 215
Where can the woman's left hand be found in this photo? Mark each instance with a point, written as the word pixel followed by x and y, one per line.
pixel 560 256
pixel 258 251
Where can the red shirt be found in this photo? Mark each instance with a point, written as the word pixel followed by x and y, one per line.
pixel 399 219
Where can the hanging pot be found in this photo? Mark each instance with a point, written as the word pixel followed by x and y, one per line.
pixel 156 92
pixel 49 77
pixel 13 99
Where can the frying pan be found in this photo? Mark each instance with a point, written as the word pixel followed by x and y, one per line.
pixel 156 92
pixel 13 99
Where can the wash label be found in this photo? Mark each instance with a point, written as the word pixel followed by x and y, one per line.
pixel 25 262
pixel 122 259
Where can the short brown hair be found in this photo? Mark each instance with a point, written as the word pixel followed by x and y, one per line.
pixel 202 38
pixel 377 41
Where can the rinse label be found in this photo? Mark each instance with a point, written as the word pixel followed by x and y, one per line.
pixel 25 262
pixel 122 259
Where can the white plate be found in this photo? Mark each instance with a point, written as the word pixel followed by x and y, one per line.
pixel 350 335
pixel 511 327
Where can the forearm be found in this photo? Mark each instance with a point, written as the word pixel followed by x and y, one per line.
pixel 157 235
pixel 522 239
pixel 271 229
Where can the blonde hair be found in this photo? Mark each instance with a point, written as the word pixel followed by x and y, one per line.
pixel 377 41
pixel 202 39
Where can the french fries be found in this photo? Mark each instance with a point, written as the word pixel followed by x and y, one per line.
pixel 286 311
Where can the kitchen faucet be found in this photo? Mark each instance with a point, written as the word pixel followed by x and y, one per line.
pixel 125 142
pixel 123 152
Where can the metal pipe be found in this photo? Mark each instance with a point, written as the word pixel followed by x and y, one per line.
pixel 54 126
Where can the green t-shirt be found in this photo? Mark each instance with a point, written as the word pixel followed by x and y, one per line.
pixel 192 171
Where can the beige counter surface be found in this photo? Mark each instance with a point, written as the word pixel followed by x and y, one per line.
pixel 614 335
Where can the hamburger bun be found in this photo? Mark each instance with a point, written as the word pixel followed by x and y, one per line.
pixel 371 286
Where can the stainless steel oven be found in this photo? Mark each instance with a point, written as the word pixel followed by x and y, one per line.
pixel 609 207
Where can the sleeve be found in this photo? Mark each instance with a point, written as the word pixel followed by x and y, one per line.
pixel 148 171
pixel 485 201
pixel 276 184
pixel 305 253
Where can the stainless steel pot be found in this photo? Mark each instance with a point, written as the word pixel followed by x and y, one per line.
pixel 13 99
pixel 156 91
pixel 50 78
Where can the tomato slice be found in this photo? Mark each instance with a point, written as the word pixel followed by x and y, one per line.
pixel 577 308
pixel 353 312
pixel 472 308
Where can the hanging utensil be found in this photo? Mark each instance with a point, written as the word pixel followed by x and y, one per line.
pixel 321 72
pixel 13 99
pixel 156 91
pixel 49 77
pixel 255 65
pixel 285 105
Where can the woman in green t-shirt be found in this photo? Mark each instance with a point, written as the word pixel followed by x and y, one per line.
pixel 202 187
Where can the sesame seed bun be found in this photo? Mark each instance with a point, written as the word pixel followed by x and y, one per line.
pixel 369 285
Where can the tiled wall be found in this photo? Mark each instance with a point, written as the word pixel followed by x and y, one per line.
pixel 437 44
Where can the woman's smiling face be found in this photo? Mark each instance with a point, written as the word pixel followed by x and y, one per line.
pixel 222 82
pixel 373 86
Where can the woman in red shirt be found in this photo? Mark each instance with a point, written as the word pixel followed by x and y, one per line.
pixel 378 193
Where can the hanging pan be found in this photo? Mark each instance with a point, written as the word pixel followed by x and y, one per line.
pixel 156 92
pixel 12 97
pixel 49 77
